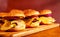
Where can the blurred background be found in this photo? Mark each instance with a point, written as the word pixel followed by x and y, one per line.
pixel 54 5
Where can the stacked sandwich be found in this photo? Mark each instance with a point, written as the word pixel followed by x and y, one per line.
pixel 17 20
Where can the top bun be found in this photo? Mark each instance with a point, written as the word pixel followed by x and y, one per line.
pixel 43 12
pixel 30 12
pixel 15 12
pixel 3 14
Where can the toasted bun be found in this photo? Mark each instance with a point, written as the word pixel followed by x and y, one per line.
pixel 31 12
pixel 3 14
pixel 43 12
pixel 16 12
pixel 13 12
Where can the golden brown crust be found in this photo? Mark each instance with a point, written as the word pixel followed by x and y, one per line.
pixel 13 12
pixel 30 12
pixel 4 14
pixel 43 12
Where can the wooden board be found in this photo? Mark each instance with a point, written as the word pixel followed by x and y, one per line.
pixel 27 31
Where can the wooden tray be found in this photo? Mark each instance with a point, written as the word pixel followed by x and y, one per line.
pixel 27 31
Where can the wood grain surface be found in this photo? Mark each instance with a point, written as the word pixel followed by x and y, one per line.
pixel 28 31
pixel 54 32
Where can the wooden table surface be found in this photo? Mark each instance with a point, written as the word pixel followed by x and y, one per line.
pixel 54 32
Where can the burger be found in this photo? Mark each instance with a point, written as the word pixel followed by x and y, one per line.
pixel 17 20
pixel 31 18
pixel 46 17
pixel 12 20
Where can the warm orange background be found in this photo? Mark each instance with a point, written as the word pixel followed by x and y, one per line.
pixel 54 5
